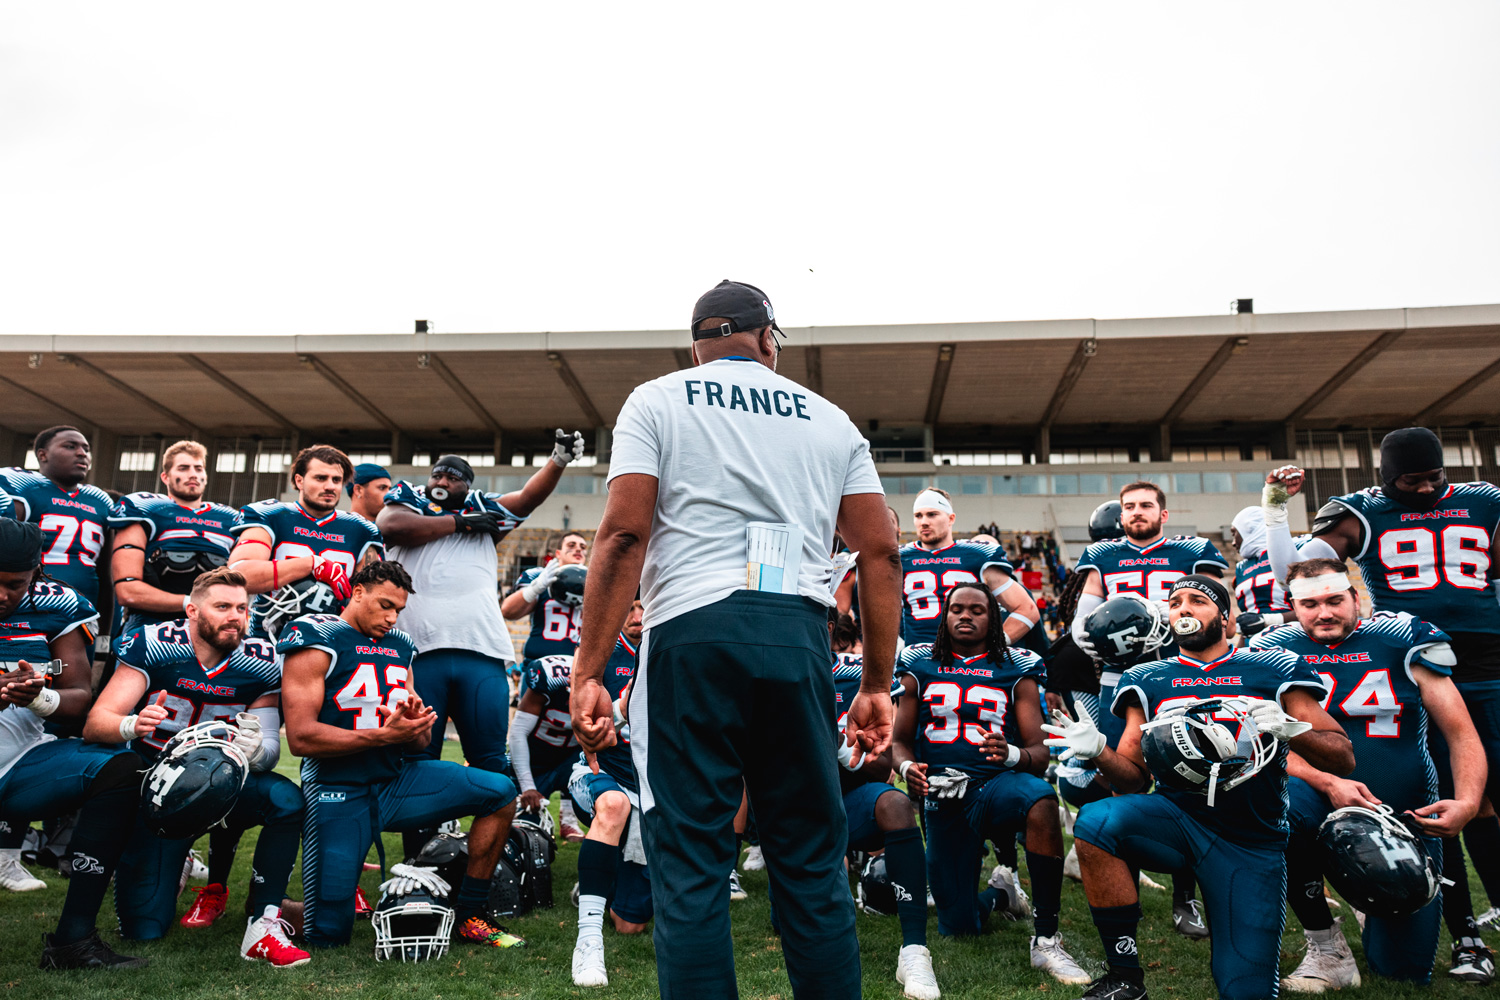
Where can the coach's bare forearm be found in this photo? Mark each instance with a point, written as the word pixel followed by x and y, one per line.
pixel 615 570
pixel 866 528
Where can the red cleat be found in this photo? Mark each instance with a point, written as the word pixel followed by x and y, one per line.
pixel 266 941
pixel 208 907
pixel 362 907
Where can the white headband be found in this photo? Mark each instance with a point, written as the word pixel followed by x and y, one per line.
pixel 931 498
pixel 1319 586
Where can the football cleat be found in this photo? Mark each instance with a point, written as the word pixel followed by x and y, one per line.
pixel 478 930
pixel 914 973
pixel 1016 904
pixel 1146 881
pixel 1488 917
pixel 570 832
pixel 736 892
pixel 1114 987
pixel 1473 963
pixel 1328 964
pixel 266 940
pixel 1187 919
pixel 90 953
pixel 588 962
pixel 754 860
pixel 1071 868
pixel 1048 955
pixel 208 907
pixel 362 907
pixel 15 877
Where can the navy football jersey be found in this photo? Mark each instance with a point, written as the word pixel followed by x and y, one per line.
pixel 1371 694
pixel 553 735
pixel 342 536
pixel 163 653
pixel 616 761
pixel 554 625
pixel 364 674
pixel 1432 564
pixel 7 506
pixel 1149 571
pixel 73 526
pixel 927 576
pixel 1254 812
pixel 171 527
pixel 1256 588
pixel 848 671
pixel 961 703
pixel 48 612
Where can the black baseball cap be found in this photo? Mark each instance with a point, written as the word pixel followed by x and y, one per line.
pixel 744 306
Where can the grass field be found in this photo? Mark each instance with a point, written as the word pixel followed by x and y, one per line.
pixel 206 963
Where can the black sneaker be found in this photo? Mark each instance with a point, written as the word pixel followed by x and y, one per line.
pixel 90 953
pixel 1187 918
pixel 1112 986
pixel 1473 964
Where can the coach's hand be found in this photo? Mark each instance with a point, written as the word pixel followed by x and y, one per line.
pixel 593 718
pixel 1445 817
pixel 868 723
pixel 409 720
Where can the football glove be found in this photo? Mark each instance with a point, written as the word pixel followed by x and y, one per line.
pixel 470 521
pixel 247 736
pixel 1079 738
pixel 404 878
pixel 567 447
pixel 1251 624
pixel 332 573
pixel 1086 644
pixel 1271 720
pixel 537 589
pixel 948 783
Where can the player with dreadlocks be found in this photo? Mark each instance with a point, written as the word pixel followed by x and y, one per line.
pixel 968 736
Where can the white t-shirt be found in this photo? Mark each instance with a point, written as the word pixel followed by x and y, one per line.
pixel 457 603
pixel 731 442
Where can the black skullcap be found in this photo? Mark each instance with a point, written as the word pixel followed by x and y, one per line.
pixel 20 546
pixel 1207 585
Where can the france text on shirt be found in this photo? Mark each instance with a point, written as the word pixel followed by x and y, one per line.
pixel 760 401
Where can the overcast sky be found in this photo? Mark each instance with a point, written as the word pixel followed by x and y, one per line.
pixel 330 168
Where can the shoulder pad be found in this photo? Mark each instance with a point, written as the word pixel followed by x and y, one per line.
pixel 1328 516
pixel 1439 653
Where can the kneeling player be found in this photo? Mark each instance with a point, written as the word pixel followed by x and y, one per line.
pixel 176 674
pixel 1387 675
pixel 1236 846
pixel 352 716
pixel 968 736
pixel 604 797
pixel 43 623
pixel 543 749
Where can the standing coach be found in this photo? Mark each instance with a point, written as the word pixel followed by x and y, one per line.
pixel 733 687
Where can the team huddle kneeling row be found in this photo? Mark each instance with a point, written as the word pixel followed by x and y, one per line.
pixel 971 736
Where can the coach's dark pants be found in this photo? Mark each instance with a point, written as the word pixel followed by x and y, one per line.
pixel 740 692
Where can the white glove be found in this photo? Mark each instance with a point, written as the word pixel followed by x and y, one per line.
pixel 1079 738
pixel 568 447
pixel 1274 498
pixel 537 589
pixel 1270 719
pixel 847 758
pixel 1086 644
pixel 947 784
pixel 405 878
pixel 247 737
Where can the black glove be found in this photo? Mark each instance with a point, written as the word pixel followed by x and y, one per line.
pixel 476 520
pixel 1251 623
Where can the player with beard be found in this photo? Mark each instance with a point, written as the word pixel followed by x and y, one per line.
pixel 47 633
pixel 1426 547
pixel 280 543
pixel 163 541
pixel 367 490
pixel 444 533
pixel 1388 675
pixel 1145 562
pixel 1237 846
pixel 177 674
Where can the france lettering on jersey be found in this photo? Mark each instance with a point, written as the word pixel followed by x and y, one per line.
pixel 342 536
pixel 927 576
pixel 363 674
pixel 1372 694
pixel 415 498
pixel 958 705
pixel 616 761
pixel 1255 812
pixel 554 625
pixel 1149 570
pixel 48 612
pixel 73 526
pixel 1433 564
pixel 163 653
pixel 553 736
pixel 172 527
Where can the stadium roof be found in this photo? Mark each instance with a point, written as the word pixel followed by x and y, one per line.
pixel 965 380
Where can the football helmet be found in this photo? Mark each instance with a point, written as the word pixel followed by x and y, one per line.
pixel 1127 630
pixel 1104 522
pixel 877 893
pixel 448 853
pixel 567 586
pixel 1376 863
pixel 523 876
pixel 300 597
pixel 541 822
pixel 1190 747
pixel 194 783
pixel 175 572
pixel 412 922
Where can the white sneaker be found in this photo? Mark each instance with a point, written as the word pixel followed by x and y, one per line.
pixel 1048 955
pixel 574 895
pixel 266 940
pixel 735 891
pixel 14 876
pixel 931 903
pixel 754 860
pixel 1071 868
pixel 1147 882
pixel 1068 818
pixel 1017 905
pixel 1488 917
pixel 914 972
pixel 588 962
pixel 1328 964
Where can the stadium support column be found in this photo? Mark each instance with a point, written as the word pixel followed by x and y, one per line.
pixel 1160 443
pixel 603 442
pixel 1041 450
pixel 1284 442
pixel 12 447
pixel 401 448
pixel 104 447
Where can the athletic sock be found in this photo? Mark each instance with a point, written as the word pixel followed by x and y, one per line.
pixel 1458 907
pixel 1117 926
pixel 473 895
pixel 906 867
pixel 1304 888
pixel 96 847
pixel 597 863
pixel 1184 888
pixel 223 843
pixel 271 867
pixel 1482 838
pixel 1046 892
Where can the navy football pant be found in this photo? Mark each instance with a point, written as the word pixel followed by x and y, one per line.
pixel 471 689
pixel 730 696
pixel 342 821
pixel 1244 885
pixel 151 868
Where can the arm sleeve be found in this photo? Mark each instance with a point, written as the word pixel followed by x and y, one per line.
pixel 1086 605
pixel 1283 552
pixel 520 748
pixel 270 738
